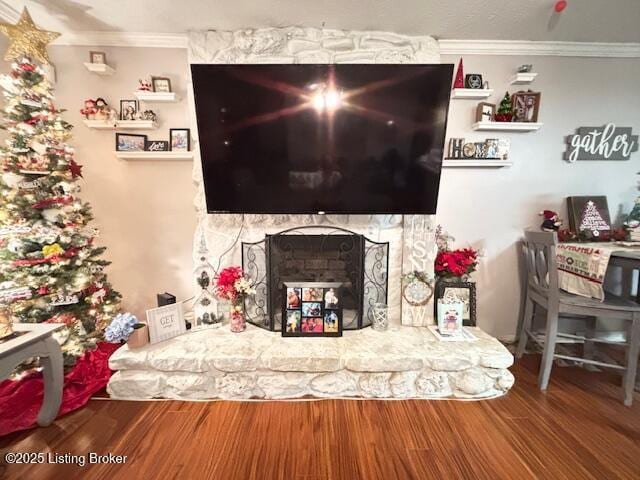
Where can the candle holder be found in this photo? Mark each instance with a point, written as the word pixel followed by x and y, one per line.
pixel 380 320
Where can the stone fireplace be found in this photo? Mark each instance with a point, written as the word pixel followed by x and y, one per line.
pixel 403 362
pixel 316 254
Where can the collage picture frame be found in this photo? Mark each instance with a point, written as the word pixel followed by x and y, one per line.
pixel 312 310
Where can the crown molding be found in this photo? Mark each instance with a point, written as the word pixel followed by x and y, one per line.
pixel 553 49
pixel 447 47
pixel 123 39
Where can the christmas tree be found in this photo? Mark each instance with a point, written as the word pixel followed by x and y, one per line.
pixel 50 268
pixel 505 109
pixel 592 221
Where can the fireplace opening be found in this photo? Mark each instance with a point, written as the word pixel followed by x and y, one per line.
pixel 316 254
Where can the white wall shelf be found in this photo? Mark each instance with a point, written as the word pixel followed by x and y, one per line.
pixel 121 124
pixel 507 126
pixel 156 97
pixel 475 162
pixel 154 155
pixel 99 68
pixel 471 93
pixel 523 78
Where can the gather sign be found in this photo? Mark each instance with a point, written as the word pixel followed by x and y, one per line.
pixel 601 143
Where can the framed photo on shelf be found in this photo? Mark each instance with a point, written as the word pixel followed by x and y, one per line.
pixel 97 57
pixel 128 109
pixel 485 112
pixel 473 80
pixel 157 146
pixel 463 291
pixel 165 322
pixel 526 106
pixel 161 84
pixel 180 139
pixel 312 310
pixel 130 142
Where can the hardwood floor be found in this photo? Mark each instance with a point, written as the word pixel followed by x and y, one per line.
pixel 578 430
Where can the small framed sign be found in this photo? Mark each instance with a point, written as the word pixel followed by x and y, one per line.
pixel 157 146
pixel 312 310
pixel 166 322
pixel 465 292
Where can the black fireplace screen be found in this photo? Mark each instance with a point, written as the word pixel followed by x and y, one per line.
pixel 300 255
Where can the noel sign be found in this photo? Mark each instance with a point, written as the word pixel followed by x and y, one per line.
pixel 601 143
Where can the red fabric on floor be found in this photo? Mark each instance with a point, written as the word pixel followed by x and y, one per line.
pixel 20 400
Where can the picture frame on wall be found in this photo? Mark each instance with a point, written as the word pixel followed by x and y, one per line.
pixel 312 309
pixel 180 139
pixel 485 112
pixel 97 57
pixel 128 109
pixel 526 106
pixel 463 291
pixel 166 322
pixel 130 142
pixel 161 84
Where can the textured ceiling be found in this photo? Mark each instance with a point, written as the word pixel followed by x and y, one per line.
pixel 582 21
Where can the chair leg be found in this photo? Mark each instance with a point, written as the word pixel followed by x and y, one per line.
pixel 549 348
pixel 629 379
pixel 526 325
pixel 590 347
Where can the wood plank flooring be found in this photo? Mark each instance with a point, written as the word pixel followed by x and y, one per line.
pixel 578 430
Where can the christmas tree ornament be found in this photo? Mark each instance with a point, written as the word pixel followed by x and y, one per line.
pixel 27 39
pixel 75 169
pixel 6 322
pixel 505 109
pixel 459 81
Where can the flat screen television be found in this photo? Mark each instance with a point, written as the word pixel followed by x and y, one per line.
pixel 344 139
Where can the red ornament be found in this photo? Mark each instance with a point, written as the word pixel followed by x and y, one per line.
pixel 75 169
pixel 459 81
pixel 44 290
pixel 560 6
pixel 47 202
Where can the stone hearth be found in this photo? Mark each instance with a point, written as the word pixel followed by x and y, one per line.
pixel 404 362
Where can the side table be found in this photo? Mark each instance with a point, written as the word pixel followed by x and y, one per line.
pixel 37 341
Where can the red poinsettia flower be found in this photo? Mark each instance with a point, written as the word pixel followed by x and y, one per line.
pixel 456 263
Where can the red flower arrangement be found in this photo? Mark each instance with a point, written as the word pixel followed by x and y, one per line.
pixel 456 263
pixel 453 263
pixel 226 281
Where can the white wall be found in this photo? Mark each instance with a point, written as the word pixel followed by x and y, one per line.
pixel 490 208
pixel 145 209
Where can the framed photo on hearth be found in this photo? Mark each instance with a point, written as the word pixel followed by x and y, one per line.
pixel 463 291
pixel 312 309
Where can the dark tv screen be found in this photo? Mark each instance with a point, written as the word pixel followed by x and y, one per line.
pixel 350 139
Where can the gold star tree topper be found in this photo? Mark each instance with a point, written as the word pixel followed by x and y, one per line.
pixel 27 39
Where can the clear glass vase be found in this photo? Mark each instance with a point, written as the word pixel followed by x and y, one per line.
pixel 237 318
pixel 380 318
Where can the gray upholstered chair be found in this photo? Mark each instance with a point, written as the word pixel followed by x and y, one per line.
pixel 542 291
